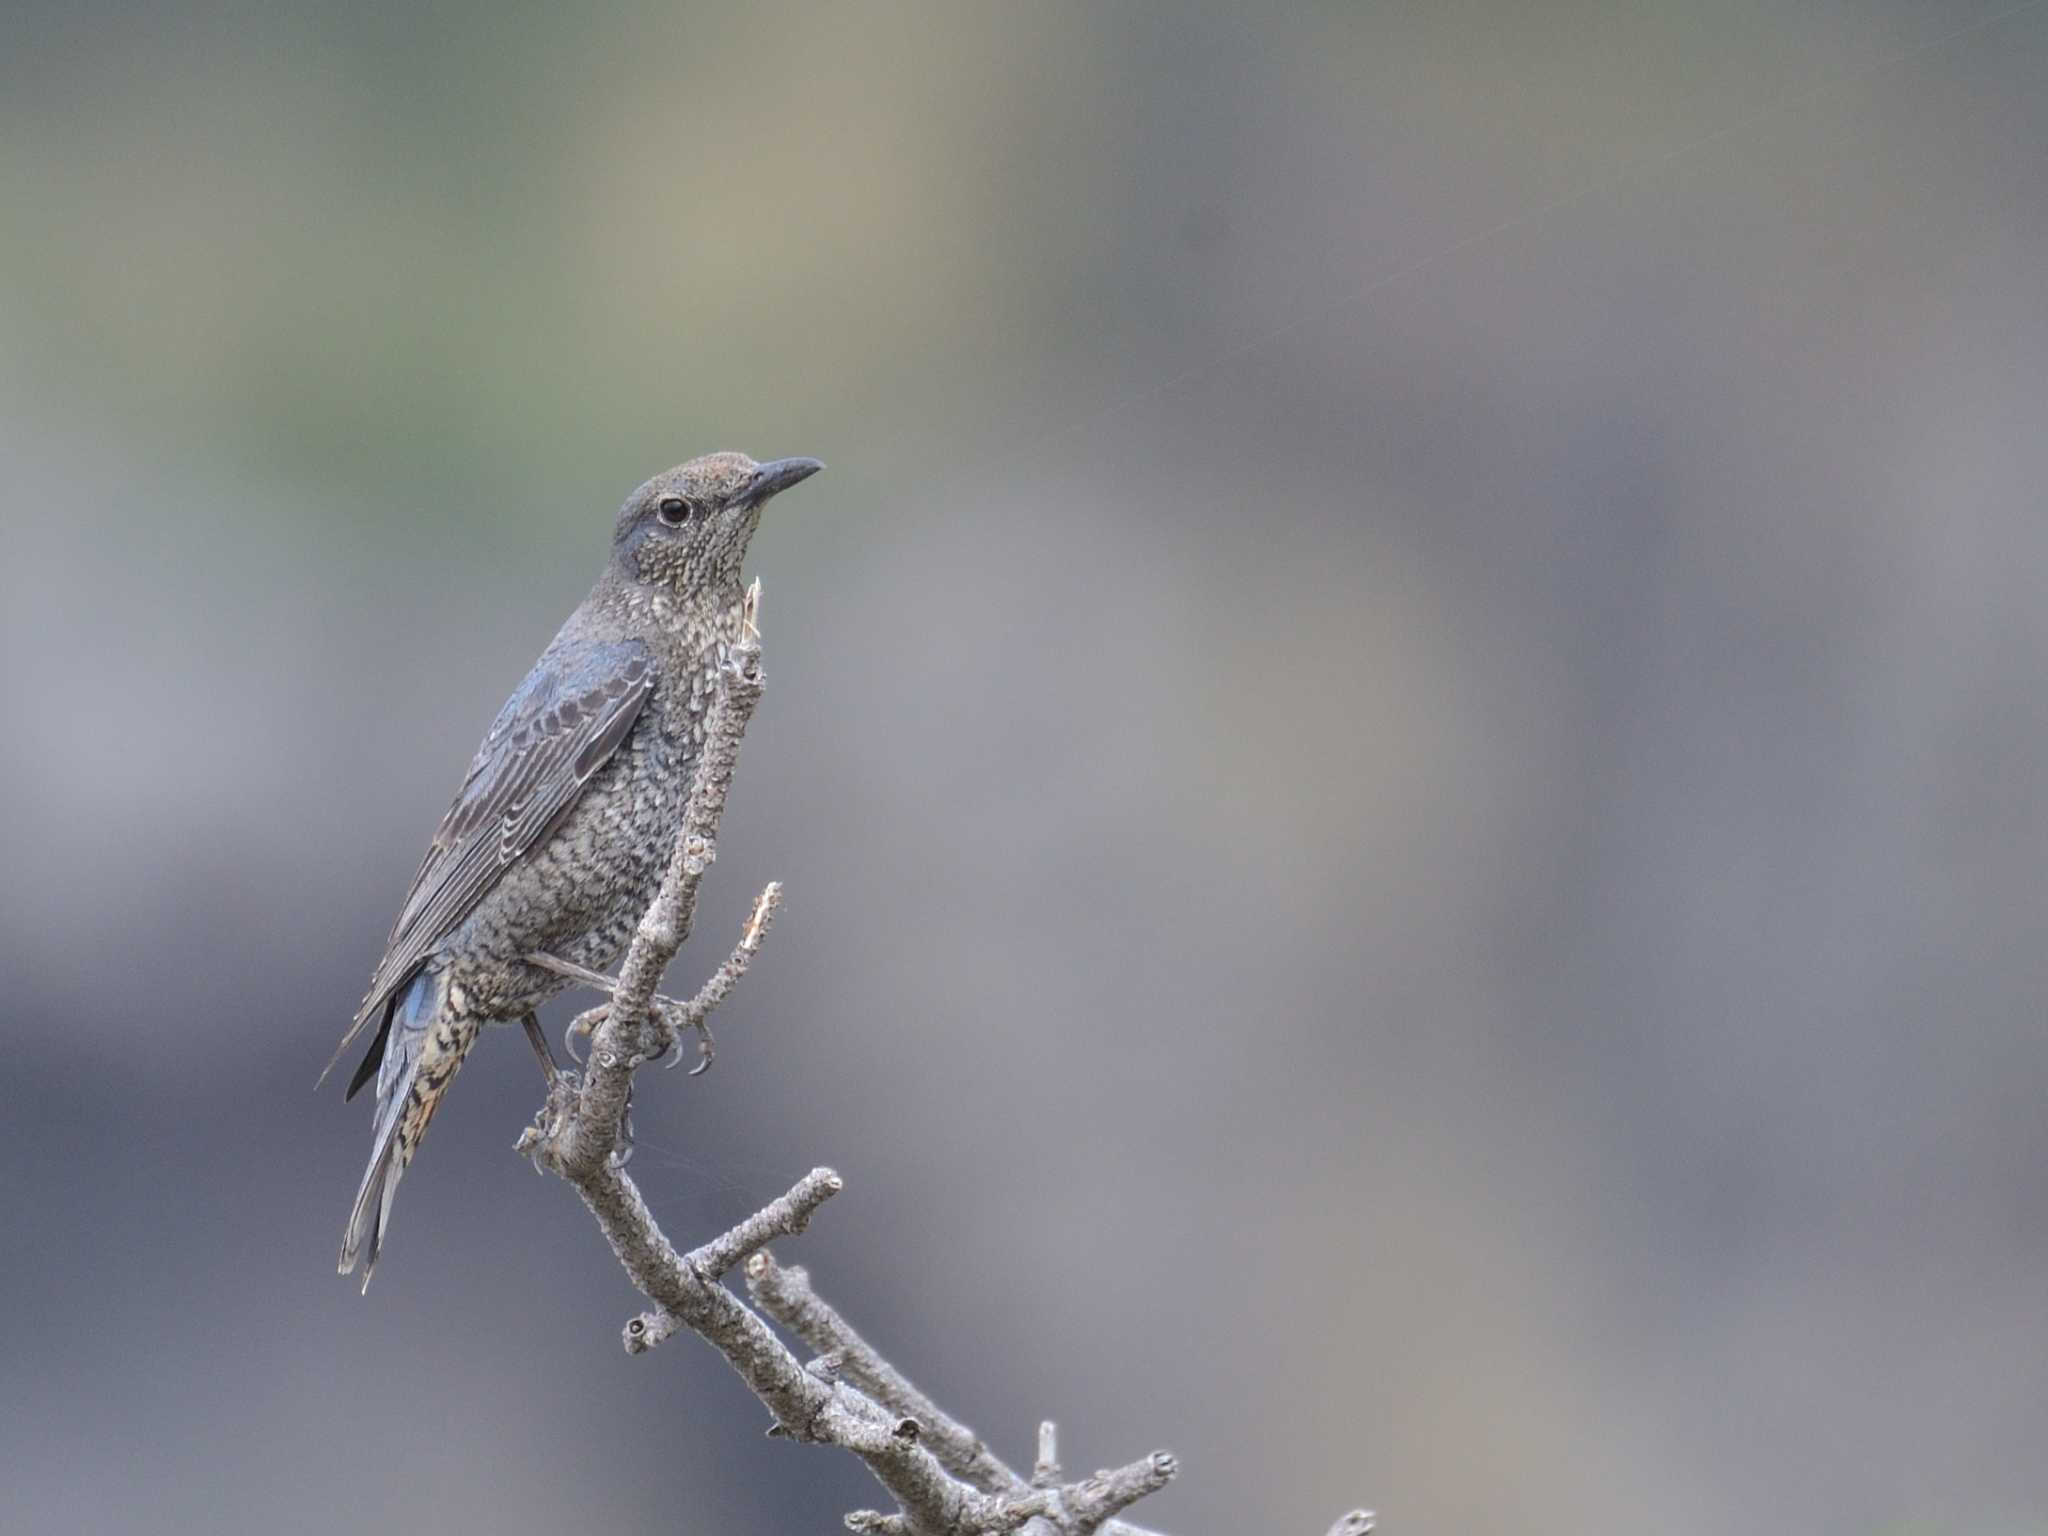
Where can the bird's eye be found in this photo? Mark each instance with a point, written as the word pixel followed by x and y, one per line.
pixel 673 510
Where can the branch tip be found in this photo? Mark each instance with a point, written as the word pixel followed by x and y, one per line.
pixel 1045 1471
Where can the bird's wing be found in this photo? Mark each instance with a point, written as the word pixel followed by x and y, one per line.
pixel 565 721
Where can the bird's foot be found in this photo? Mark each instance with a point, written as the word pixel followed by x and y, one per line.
pixel 542 1140
pixel 671 1019
pixel 669 1016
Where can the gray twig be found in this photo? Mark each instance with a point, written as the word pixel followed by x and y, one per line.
pixel 785 1294
pixel 785 1217
pixel 1045 1471
pixel 944 1480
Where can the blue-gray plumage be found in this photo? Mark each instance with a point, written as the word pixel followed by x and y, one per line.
pixel 558 837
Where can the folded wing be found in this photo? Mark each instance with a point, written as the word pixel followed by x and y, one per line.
pixel 562 725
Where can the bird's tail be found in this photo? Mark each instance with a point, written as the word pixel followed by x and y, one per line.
pixel 418 1061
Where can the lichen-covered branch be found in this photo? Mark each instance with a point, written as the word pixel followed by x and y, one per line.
pixel 944 1480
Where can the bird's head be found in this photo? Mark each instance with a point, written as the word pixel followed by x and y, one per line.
pixel 687 529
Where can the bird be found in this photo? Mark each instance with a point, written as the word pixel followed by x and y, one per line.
pixel 557 840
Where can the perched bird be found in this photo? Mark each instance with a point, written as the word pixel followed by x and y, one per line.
pixel 559 835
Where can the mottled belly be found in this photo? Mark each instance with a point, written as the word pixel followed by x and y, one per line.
pixel 581 892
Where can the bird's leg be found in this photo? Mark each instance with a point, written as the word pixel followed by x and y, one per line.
pixel 548 1123
pixel 669 1016
pixel 550 1072
pixel 581 974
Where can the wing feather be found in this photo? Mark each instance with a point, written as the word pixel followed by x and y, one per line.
pixel 546 744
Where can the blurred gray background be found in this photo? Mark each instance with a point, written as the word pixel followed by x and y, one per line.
pixel 1405 742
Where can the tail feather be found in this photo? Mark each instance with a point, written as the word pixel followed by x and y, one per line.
pixel 371 1216
pixel 374 1057
pixel 394 1134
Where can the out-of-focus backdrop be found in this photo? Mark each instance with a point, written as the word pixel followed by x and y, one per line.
pixel 1406 742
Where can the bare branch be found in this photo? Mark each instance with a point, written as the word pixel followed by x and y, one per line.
pixel 696 1013
pixel 785 1294
pixel 944 1480
pixel 785 1217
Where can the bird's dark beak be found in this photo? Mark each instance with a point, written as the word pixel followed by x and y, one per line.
pixel 779 475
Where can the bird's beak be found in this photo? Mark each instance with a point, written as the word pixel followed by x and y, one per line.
pixel 779 475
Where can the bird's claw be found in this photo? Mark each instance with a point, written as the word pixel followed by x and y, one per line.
pixel 582 1027
pixel 672 1019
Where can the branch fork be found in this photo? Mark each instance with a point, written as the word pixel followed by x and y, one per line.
pixel 944 1480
